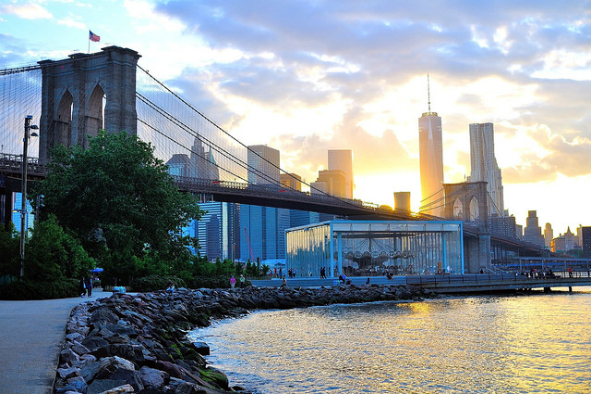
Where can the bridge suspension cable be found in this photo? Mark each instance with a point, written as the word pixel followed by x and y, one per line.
pixel 20 95
pixel 206 132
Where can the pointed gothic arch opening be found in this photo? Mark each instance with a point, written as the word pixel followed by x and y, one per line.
pixel 62 124
pixel 458 209
pixel 474 210
pixel 94 119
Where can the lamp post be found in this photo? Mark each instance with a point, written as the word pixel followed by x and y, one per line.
pixel 28 127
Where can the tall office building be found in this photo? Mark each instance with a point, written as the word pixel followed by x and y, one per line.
pixel 200 164
pixel 293 181
pixel 586 241
pixel 318 188
pixel 263 227
pixel 263 162
pixel 519 231
pixel 483 165
pixel 548 236
pixel 564 243
pixel 532 232
pixel 218 231
pixel 179 165
pixel 431 161
pixel 503 226
pixel 342 160
pixel 203 163
pixel 335 182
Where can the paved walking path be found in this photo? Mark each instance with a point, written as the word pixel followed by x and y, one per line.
pixel 31 335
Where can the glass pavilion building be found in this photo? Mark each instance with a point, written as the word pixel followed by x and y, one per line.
pixel 361 248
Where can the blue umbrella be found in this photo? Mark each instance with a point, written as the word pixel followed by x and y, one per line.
pixel 96 270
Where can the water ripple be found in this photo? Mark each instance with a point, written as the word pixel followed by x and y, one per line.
pixel 530 344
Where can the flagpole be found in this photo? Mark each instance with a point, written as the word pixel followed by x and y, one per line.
pixel 88 45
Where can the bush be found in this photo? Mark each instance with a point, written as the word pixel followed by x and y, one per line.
pixel 155 282
pixel 215 282
pixel 64 288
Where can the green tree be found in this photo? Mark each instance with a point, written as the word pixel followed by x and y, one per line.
pixel 9 254
pixel 119 201
pixel 52 254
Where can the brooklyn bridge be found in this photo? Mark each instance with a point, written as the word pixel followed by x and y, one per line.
pixel 72 99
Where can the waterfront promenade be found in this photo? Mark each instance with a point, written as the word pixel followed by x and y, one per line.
pixel 32 333
pixel 448 283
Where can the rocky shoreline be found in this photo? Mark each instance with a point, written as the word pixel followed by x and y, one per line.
pixel 137 343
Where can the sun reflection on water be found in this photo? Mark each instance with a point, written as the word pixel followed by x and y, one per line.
pixel 534 344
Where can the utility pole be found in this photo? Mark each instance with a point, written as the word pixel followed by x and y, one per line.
pixel 28 127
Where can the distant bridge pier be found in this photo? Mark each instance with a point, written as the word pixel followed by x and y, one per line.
pixel 477 253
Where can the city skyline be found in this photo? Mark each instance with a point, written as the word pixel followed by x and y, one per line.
pixel 308 77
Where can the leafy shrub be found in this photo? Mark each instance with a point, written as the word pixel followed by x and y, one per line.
pixel 63 288
pixel 155 282
pixel 215 282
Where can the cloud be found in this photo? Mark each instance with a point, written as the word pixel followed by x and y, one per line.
pixel 72 22
pixel 523 65
pixel 27 11
pixel 371 154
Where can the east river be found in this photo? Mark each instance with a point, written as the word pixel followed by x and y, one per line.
pixel 537 343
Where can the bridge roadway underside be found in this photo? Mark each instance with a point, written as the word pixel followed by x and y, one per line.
pixel 443 284
pixel 271 200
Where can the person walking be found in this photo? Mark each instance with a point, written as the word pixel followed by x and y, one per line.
pixel 242 281
pixel 82 287
pixel 232 281
pixel 88 285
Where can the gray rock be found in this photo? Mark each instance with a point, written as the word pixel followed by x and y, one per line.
pixel 75 337
pixel 66 373
pixel 115 362
pixel 68 357
pixel 94 342
pixel 77 384
pixel 189 388
pixel 79 349
pixel 201 348
pixel 153 378
pixel 103 386
pixel 89 371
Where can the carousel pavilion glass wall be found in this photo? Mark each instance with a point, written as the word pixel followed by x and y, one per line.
pixel 362 248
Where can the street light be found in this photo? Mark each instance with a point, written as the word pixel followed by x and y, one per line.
pixel 28 128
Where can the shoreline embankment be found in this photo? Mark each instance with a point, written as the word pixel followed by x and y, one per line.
pixel 138 344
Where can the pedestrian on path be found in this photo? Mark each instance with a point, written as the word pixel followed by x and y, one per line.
pixel 82 287
pixel 88 285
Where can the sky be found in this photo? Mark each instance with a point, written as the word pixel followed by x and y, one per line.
pixel 308 76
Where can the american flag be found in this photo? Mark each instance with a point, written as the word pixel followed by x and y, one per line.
pixel 93 37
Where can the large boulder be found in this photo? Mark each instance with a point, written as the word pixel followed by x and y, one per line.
pixel 153 378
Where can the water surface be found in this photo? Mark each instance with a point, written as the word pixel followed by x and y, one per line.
pixel 487 344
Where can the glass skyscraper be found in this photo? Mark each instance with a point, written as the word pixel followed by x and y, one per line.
pixel 431 162
pixel 218 231
pixel 263 228
pixel 342 160
pixel 483 165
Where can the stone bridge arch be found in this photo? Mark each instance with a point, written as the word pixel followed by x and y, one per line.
pixel 467 201
pixel 73 92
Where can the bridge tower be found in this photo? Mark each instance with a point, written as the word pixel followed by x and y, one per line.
pixel 468 202
pixel 85 93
